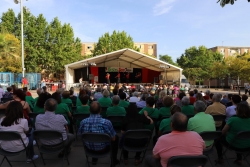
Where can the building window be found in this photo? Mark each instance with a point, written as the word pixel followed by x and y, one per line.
pixel 139 46
pixel 150 47
pixel 89 47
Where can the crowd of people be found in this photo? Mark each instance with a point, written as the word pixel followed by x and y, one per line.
pixel 174 115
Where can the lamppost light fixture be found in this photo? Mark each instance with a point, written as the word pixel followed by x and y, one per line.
pixel 16 1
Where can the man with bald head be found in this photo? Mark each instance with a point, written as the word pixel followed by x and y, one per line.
pixel 179 142
pixel 96 124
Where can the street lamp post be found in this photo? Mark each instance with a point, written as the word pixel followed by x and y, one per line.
pixel 22 41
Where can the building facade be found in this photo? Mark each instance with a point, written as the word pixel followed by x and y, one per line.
pixel 230 50
pixel 148 48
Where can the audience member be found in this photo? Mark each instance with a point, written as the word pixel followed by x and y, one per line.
pixel 200 97
pixel 45 91
pixel 191 97
pixel 142 102
pixel 210 100
pixel 116 110
pixel 224 100
pixel 2 92
pixel 216 108
pixel 159 102
pixel 66 99
pixel 229 100
pixel 230 111
pixel 105 101
pixel 72 97
pixel 134 98
pixel 178 143
pixel 96 124
pixel 84 108
pixel 134 121
pixel 39 106
pixel 123 102
pixel 167 102
pixel 38 92
pixel 98 93
pixel 233 126
pixel 178 99
pixel 8 94
pixel 52 121
pixel 25 90
pixel 207 95
pixel 244 99
pixel 186 108
pixel 201 122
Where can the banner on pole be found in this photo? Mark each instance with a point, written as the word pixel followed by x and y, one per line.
pixel 118 69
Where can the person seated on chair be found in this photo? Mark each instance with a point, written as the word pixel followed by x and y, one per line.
pixel 9 93
pixel 96 124
pixel 230 111
pixel 142 102
pixel 216 108
pixel 244 99
pixel 38 92
pixel 134 98
pixel 159 103
pixel 191 97
pixel 39 105
pixel 105 101
pixel 122 102
pixel 98 93
pixel 134 121
pixel 52 121
pixel 201 122
pixel 186 108
pixel 84 108
pixel 167 102
pixel 66 99
pixel 152 112
pixel 25 90
pixel 178 143
pixel 165 124
pixel 14 121
pixel 116 109
pixel 72 96
pixel 233 126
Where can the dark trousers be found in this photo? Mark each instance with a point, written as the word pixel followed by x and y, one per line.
pixel 219 148
pixel 69 141
pixel 30 148
pixel 108 81
pixel 150 161
pixel 246 90
pixel 118 80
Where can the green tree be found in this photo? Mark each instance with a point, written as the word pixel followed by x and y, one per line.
pixel 224 2
pixel 197 62
pixel 167 59
pixel 8 22
pixel 10 59
pixel 108 43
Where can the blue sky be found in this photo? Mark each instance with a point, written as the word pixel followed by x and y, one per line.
pixel 174 25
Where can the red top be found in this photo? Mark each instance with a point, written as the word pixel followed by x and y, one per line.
pixel 107 76
pixel 25 81
pixel 127 75
pixel 28 94
pixel 118 75
pixel 192 99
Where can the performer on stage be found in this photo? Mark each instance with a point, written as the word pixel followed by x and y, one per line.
pixel 138 77
pixel 118 78
pixel 127 77
pixel 107 78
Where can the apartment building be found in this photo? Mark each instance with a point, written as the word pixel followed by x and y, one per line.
pixel 230 50
pixel 148 48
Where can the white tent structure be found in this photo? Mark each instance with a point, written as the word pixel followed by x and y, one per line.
pixel 126 58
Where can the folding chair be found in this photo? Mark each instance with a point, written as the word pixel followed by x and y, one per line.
pixel 116 121
pixel 77 118
pixel 140 134
pixel 32 117
pixel 96 138
pixel 187 161
pixel 11 136
pixel 210 135
pixel 243 135
pixel 220 118
pixel 42 136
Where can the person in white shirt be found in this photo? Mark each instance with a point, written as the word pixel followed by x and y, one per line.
pixel 230 111
pixel 14 121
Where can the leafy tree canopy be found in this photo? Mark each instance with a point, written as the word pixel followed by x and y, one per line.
pixel 117 40
pixel 48 46
pixel 167 59
pixel 224 2
pixel 10 59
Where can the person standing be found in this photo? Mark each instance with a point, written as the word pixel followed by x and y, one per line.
pixel 1 92
pixel 43 83
pixel 118 78
pixel 24 82
pixel 108 78
pixel 247 87
pixel 127 77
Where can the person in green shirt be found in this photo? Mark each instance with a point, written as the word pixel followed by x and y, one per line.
pixel 39 106
pixel 63 109
pixel 30 101
pixel 122 102
pixel 116 109
pixel 165 123
pixel 84 108
pixel 167 102
pixel 186 108
pixel 235 124
pixel 66 99
pixel 152 112
pixel 201 122
pixel 105 101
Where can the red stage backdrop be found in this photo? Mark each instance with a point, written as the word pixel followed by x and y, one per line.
pixel 94 71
